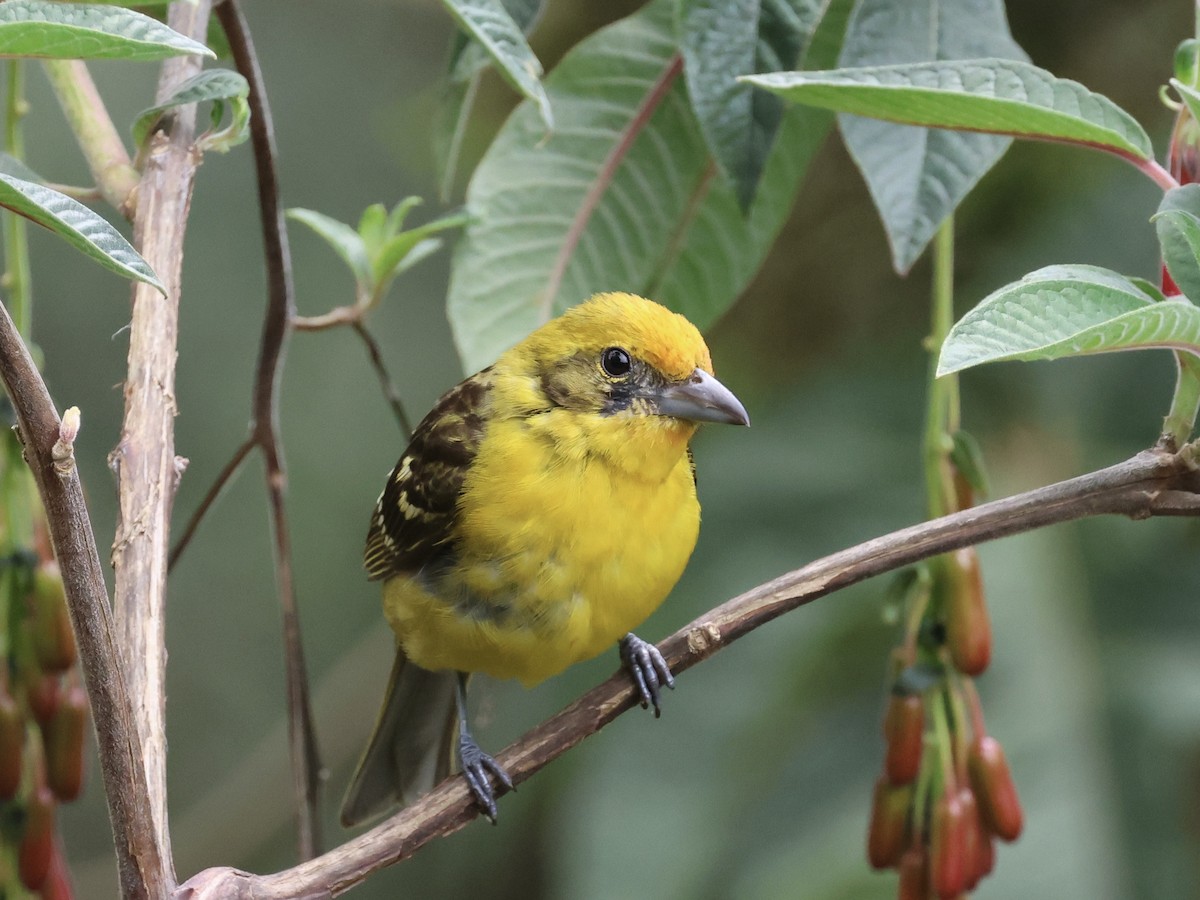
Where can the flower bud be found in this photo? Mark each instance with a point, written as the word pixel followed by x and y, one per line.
pixel 64 739
pixel 37 838
pixel 914 875
pixel 57 885
pixel 42 693
pixel 947 845
pixel 53 640
pixel 904 731
pixel 999 806
pixel 12 745
pixel 975 836
pixel 968 631
pixel 888 831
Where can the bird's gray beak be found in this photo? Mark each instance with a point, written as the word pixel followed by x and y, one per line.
pixel 701 399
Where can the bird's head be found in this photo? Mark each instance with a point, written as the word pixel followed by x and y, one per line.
pixel 618 355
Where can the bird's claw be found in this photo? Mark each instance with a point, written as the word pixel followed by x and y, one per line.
pixel 476 768
pixel 649 670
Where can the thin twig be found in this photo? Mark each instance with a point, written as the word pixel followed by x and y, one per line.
pixel 223 478
pixel 385 380
pixel 1155 482
pixel 144 459
pixel 339 315
pixel 141 865
pixel 356 317
pixel 306 766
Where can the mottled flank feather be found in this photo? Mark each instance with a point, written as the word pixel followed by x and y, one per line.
pixel 414 516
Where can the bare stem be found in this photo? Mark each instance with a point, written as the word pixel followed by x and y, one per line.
pixel 385 380
pixel 17 281
pixel 339 315
pixel 141 864
pixel 144 459
pixel 1154 171
pixel 94 130
pixel 942 413
pixel 306 765
pixel 1155 482
pixel 223 478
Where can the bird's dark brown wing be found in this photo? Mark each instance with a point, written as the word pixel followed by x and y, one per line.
pixel 414 517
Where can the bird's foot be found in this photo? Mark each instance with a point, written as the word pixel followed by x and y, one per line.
pixel 476 768
pixel 648 668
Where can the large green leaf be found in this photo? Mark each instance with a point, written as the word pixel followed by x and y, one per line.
pixel 917 176
pixel 623 196
pixel 489 23
pixel 1068 311
pixel 1178 224
pixel 1000 96
pixel 87 31
pixel 77 225
pixel 721 40
pixel 467 62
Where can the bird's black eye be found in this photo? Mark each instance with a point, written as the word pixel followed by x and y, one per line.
pixel 616 362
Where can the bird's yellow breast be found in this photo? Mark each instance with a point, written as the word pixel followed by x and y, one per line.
pixel 571 530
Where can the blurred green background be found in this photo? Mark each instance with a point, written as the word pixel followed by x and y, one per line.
pixel 756 781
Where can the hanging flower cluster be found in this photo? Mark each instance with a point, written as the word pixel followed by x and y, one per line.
pixel 946 793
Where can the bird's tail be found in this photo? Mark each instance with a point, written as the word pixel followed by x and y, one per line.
pixel 411 748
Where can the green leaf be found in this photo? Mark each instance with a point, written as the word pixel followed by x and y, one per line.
pixel 917 176
pixel 372 227
pixel 216 85
pixel 623 196
pixel 467 62
pixel 423 249
pixel 1068 311
pixel 78 226
pixel 1178 225
pixel 399 214
pixel 10 165
pixel 489 23
pixel 397 252
pixel 468 58
pixel 52 30
pixel 344 240
pixel 721 40
pixel 999 96
pixel 1187 62
pixel 1189 95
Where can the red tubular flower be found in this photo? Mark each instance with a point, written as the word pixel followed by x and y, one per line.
pixel 888 832
pixel 904 731
pixel 968 630
pixel 999 806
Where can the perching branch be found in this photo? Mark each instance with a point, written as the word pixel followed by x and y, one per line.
pixel 143 869
pixel 306 766
pixel 1156 482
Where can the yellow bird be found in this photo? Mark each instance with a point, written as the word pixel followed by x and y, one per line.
pixel 543 509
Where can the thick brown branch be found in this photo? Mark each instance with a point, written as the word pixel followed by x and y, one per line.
pixel 1152 483
pixel 140 863
pixel 144 459
pixel 306 766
